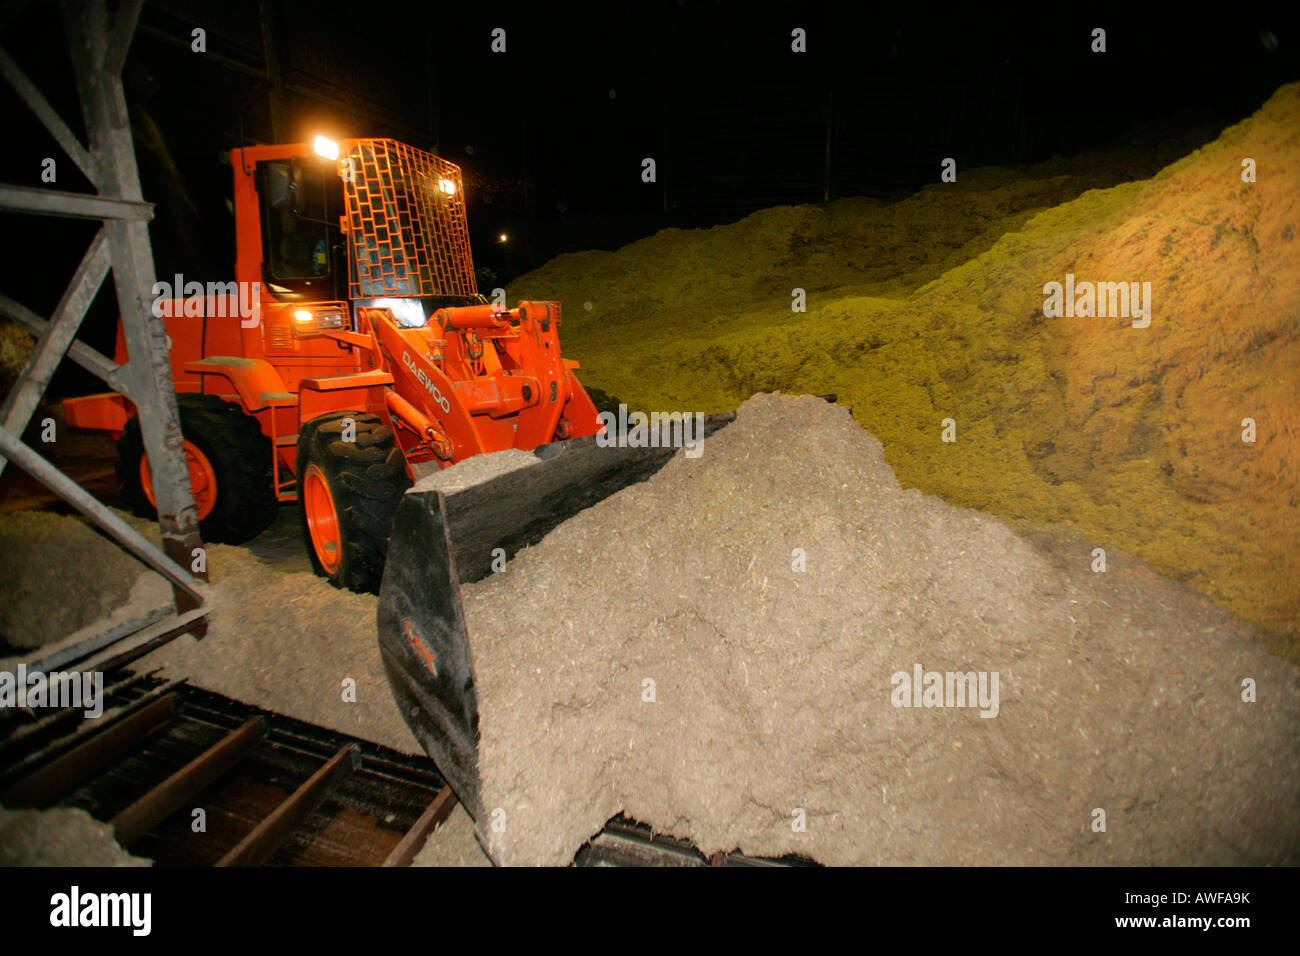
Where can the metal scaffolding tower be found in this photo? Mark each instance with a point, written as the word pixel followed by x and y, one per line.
pixel 98 45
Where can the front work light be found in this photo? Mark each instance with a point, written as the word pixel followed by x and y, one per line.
pixel 318 320
pixel 447 186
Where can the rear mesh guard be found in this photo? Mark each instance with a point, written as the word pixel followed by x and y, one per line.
pixel 440 541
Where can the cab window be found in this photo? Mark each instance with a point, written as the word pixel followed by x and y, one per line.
pixel 296 237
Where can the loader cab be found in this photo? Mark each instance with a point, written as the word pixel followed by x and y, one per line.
pixel 359 223
pixel 290 248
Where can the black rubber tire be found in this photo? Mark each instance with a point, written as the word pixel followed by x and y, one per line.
pixel 367 478
pixel 240 456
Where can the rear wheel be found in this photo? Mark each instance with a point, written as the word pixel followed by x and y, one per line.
pixel 348 491
pixel 229 463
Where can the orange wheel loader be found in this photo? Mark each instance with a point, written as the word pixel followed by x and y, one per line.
pixel 352 355
pixel 365 363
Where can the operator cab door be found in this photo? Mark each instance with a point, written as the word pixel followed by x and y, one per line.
pixel 304 258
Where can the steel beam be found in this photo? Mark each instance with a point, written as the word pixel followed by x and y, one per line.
pixel 14 739
pixel 58 202
pixel 271 56
pixel 128 15
pixel 98 745
pixel 163 800
pixel 269 835
pixel 146 640
pixel 121 532
pixel 88 640
pixel 59 333
pixel 148 377
pixel 92 361
pixel 312 87
pixel 432 817
pixel 98 49
pixel 50 119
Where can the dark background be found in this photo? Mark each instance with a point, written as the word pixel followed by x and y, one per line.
pixel 552 133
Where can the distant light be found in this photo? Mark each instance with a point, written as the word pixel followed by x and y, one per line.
pixel 326 147
pixel 303 315
pixel 503 238
pixel 447 186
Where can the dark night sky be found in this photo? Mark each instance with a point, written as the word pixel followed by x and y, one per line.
pixel 712 90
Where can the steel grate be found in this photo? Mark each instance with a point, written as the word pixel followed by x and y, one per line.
pixel 407 235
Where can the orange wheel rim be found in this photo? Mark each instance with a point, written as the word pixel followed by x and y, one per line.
pixel 322 519
pixel 203 479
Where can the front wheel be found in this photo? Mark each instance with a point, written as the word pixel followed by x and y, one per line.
pixel 351 476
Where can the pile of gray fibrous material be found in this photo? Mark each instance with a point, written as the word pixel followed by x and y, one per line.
pixel 63 836
pixel 727 652
pixel 60 576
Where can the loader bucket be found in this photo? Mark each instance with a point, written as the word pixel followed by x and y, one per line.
pixel 442 540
